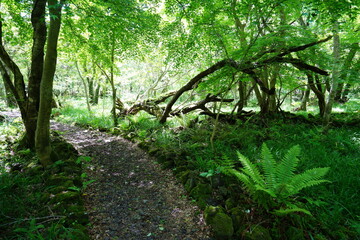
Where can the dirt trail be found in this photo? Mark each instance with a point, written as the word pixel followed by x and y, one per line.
pixel 132 198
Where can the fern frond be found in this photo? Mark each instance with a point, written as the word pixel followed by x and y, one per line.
pixel 247 181
pixel 268 165
pixel 267 190
pixel 282 212
pixel 308 178
pixel 251 170
pixel 285 170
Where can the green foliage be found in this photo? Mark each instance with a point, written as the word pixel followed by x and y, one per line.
pixel 276 179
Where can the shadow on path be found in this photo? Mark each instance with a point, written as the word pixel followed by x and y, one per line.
pixel 132 198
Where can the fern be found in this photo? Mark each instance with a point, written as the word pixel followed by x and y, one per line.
pixel 277 180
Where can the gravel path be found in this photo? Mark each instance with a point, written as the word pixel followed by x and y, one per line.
pixel 132 197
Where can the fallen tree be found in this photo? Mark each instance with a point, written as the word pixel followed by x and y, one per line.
pixel 249 68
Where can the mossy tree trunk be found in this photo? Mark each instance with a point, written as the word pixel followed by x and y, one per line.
pixel 42 138
pixel 28 99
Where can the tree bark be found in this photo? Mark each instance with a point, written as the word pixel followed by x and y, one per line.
pixel 305 99
pixel 9 97
pixel 36 70
pixel 347 63
pixel 335 74
pixel 42 137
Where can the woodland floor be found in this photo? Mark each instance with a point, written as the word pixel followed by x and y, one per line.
pixel 132 197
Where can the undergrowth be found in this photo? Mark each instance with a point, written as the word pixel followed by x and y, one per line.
pixel 29 205
pixel 185 143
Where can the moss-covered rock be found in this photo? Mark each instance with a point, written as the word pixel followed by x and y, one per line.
pixel 58 180
pixel 66 197
pixel 183 176
pixel 63 149
pixel 238 217
pixel 180 169
pixel 192 180
pixel 257 232
pixel 220 222
pixel 230 203
pixel 80 232
pixel 77 213
pixel 200 191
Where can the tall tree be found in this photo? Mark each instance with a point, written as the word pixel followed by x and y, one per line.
pixel 42 143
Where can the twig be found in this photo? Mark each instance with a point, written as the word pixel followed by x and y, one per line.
pixel 48 218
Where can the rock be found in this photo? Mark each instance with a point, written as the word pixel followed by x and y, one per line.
pixel 57 180
pixel 238 216
pixel 201 192
pixel 257 232
pixel 66 197
pixel 192 181
pixel 230 203
pixel 220 222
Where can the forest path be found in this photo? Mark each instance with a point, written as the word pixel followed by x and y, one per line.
pixel 132 197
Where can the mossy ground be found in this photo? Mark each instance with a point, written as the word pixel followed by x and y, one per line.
pixel 38 203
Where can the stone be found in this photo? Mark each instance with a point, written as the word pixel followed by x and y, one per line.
pixel 220 222
pixel 257 232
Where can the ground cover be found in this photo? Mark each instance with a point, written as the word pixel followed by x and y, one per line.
pixel 192 149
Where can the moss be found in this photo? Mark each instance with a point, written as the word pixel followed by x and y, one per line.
pixel 230 203
pixel 201 191
pixel 180 169
pixel 77 213
pixel 80 232
pixel 257 232
pixel 63 149
pixel 183 176
pixel 66 197
pixel 57 189
pixel 192 181
pixel 238 216
pixel 220 222
pixel 58 180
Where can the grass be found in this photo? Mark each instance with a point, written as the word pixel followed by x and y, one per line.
pixel 334 205
pixel 98 117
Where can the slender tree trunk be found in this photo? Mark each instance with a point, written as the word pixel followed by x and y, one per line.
pixel 347 63
pixel 319 94
pixel 42 137
pixel 9 97
pixel 335 74
pixel 112 81
pixel 242 96
pixel 96 95
pixel 305 99
pixel 85 87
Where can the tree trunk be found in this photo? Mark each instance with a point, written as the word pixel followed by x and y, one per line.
pixel 305 99
pixel 42 138
pixel 242 96
pixel 347 63
pixel 319 94
pixel 9 97
pixel 335 74
pixel 112 81
pixel 96 95
pixel 37 64
pixel 85 87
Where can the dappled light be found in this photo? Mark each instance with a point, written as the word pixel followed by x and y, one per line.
pixel 179 119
